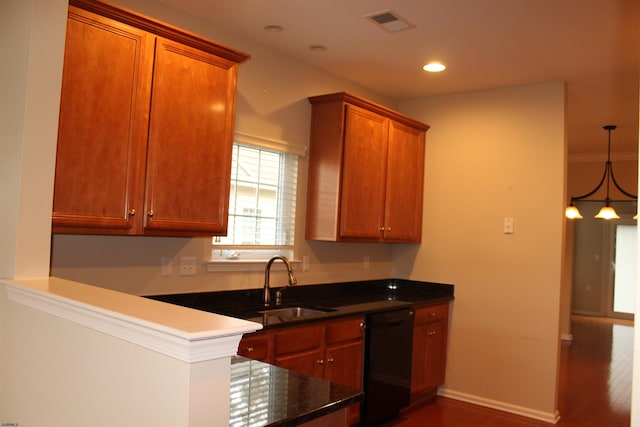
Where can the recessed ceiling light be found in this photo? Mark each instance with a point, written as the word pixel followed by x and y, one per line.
pixel 273 28
pixel 317 48
pixel 434 67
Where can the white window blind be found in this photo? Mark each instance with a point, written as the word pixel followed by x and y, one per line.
pixel 262 204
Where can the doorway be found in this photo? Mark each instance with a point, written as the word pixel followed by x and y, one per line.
pixel 604 262
pixel 622 269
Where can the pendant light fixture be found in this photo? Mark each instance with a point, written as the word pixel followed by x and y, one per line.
pixel 607 211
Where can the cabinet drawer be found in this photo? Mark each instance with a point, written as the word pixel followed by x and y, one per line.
pixel 256 346
pixel 344 330
pixel 299 339
pixel 431 313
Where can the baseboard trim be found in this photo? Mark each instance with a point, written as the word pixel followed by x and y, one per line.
pixel 552 418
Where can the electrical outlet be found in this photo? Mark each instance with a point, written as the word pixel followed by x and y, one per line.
pixel 188 266
pixel 305 263
pixel 165 266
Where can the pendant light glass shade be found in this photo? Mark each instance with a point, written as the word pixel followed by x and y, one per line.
pixel 607 212
pixel 572 212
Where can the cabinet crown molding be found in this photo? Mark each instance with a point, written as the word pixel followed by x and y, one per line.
pixel 369 105
pixel 160 29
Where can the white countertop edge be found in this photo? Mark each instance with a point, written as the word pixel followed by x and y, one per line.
pixel 203 336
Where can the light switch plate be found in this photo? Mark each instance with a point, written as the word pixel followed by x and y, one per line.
pixel 165 266
pixel 508 226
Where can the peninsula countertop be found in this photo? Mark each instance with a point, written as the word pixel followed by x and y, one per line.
pixel 266 395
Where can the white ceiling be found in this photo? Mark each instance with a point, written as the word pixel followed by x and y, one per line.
pixel 593 45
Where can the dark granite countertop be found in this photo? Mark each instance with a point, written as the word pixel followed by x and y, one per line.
pixel 266 395
pixel 335 300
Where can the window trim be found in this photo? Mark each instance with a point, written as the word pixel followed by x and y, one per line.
pixel 271 144
pixel 221 264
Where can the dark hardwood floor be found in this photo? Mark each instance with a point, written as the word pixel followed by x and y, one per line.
pixel 595 385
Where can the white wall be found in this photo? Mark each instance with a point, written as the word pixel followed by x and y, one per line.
pixel 492 155
pixel 57 373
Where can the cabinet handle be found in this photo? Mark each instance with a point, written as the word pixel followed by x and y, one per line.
pixel 388 229
pixel 381 229
pixel 132 212
pixel 431 333
pixel 150 213
pixel 320 362
pixel 249 349
pixel 330 360
pixel 362 327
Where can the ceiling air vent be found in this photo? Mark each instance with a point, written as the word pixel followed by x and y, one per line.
pixel 389 21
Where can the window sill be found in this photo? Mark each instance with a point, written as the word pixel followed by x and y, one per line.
pixel 218 266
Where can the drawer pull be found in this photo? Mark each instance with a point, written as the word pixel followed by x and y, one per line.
pixel 320 362
pixel 249 349
pixel 330 360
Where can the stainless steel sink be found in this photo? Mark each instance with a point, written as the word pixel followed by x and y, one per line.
pixel 294 312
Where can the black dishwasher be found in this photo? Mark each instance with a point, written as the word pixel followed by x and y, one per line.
pixel 387 366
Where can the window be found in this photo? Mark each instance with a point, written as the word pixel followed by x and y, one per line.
pixel 262 204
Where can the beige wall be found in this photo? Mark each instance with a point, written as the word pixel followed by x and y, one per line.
pixel 635 392
pixel 492 155
pixel 33 44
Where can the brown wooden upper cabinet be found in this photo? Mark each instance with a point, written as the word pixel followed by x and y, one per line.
pixel 366 172
pixel 146 127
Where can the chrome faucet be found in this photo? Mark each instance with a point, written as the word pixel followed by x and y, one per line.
pixel 267 271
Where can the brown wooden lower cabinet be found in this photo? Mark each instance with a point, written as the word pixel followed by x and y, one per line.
pixel 332 350
pixel 429 350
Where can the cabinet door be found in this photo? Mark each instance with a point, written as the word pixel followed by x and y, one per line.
pixel 418 360
pixel 190 140
pixel 343 365
pixel 405 181
pixel 307 362
pixel 301 349
pixel 436 354
pixel 344 359
pixel 429 350
pixel 102 129
pixel 363 174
